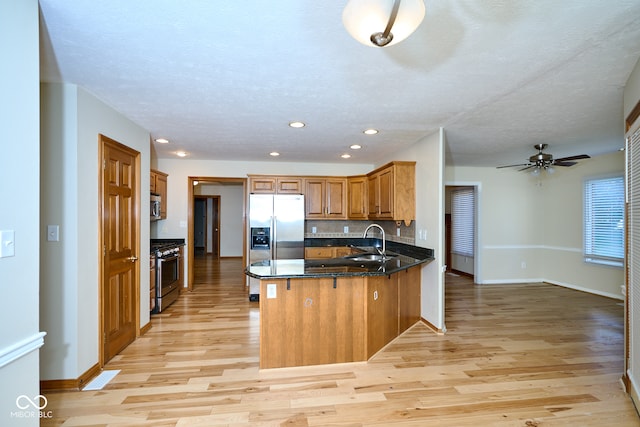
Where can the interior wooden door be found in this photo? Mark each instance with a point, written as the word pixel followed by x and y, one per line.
pixel 119 235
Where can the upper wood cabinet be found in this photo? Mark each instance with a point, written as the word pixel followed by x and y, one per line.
pixel 158 185
pixel 275 184
pixel 391 192
pixel 387 193
pixel 325 198
pixel 357 197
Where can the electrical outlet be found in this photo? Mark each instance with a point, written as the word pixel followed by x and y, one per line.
pixel 346 229
pixel 523 265
pixel 7 243
pixel 271 290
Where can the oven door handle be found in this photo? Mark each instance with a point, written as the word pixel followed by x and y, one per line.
pixel 171 258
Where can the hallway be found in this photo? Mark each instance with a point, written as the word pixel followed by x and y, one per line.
pixel 514 355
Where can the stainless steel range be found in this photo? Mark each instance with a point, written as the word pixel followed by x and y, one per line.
pixel 168 264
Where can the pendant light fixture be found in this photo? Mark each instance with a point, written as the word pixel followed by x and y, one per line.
pixel 380 23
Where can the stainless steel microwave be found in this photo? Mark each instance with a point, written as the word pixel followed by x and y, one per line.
pixel 156 203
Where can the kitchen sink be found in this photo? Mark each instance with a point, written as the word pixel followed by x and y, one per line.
pixel 369 257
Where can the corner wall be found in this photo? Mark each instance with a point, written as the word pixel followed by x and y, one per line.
pixel 428 153
pixel 71 121
pixel 20 338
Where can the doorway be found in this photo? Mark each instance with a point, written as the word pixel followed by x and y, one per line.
pixel 228 197
pixel 461 230
pixel 206 225
pixel 119 237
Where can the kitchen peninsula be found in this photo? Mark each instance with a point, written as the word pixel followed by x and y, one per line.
pixel 341 309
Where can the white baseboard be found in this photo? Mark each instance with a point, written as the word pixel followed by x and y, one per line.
pixel 588 290
pixel 510 281
pixel 553 282
pixel 634 391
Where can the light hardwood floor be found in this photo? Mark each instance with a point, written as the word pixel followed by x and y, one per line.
pixel 514 355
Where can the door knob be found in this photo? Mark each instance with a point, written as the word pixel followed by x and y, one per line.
pixel 132 258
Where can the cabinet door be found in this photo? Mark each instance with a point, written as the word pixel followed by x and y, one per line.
pixel 161 189
pixel 382 312
pixel 289 185
pixel 318 253
pixel 372 192
pixel 262 185
pixel 357 198
pixel 152 284
pixel 408 298
pixel 314 196
pixel 152 182
pixel 385 193
pixel 336 200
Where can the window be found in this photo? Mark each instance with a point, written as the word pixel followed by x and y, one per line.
pixel 604 221
pixel 462 221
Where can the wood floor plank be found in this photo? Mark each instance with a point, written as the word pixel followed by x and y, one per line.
pixel 513 355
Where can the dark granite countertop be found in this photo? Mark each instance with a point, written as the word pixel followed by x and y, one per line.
pixel 402 256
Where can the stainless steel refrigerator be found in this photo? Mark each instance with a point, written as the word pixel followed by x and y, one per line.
pixel 276 230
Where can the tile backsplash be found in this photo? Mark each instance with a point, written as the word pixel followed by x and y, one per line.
pixel 354 229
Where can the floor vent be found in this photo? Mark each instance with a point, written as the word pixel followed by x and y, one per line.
pixel 101 380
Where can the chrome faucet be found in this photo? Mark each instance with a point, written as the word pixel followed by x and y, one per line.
pixel 384 239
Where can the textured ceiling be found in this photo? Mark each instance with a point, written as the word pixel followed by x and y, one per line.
pixel 222 80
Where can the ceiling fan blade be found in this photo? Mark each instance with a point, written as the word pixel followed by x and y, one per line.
pixel 562 163
pixel 578 157
pixel 528 167
pixel 511 166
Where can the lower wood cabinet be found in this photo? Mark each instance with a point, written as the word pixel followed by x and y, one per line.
pixel 152 283
pixel 314 321
pixel 311 322
pixel 408 298
pixel 324 252
pixel 382 311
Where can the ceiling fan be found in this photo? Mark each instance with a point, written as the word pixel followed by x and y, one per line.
pixel 545 161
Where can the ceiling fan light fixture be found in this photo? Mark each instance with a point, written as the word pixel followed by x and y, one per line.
pixel 379 23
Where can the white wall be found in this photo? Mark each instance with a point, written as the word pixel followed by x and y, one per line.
pixel 72 119
pixel 231 214
pixel 179 170
pixel 19 191
pixel 530 228
pixel 428 153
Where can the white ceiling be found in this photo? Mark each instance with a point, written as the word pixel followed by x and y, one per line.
pixel 222 79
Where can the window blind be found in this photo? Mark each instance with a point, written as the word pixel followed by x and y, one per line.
pixel 462 221
pixel 633 260
pixel 604 220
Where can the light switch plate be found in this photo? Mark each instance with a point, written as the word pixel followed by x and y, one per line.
pixel 7 243
pixel 53 233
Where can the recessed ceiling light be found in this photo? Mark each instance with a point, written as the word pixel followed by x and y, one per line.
pixel 355 147
pixel 346 156
pixel 274 154
pixel 296 124
pixel 181 153
pixel 162 140
pixel 370 131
